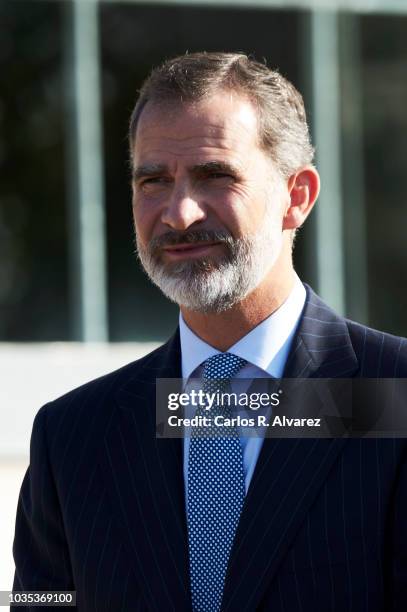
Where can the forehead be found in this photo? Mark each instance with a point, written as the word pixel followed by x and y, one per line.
pixel 225 124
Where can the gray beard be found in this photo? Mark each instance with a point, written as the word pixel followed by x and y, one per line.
pixel 213 285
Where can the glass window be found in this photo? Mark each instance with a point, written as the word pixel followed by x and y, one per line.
pixel 33 225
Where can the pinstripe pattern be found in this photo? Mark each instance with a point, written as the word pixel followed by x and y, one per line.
pixel 323 527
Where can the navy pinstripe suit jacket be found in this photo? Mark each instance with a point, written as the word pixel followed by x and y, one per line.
pixel 324 525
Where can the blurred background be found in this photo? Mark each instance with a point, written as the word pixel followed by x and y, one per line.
pixel 74 303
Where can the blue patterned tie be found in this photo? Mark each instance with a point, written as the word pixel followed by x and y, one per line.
pixel 216 490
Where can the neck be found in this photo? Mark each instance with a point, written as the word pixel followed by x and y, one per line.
pixel 223 330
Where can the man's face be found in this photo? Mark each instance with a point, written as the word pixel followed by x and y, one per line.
pixel 207 204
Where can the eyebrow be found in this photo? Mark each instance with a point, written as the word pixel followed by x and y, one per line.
pixel 147 170
pixel 151 170
pixel 215 166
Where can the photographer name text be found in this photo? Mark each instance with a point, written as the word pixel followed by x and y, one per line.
pixel 239 421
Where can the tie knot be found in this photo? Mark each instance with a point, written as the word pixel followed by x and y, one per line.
pixel 222 365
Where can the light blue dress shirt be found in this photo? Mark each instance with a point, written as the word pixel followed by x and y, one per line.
pixel 265 348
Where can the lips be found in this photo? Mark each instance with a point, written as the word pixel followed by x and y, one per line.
pixel 189 250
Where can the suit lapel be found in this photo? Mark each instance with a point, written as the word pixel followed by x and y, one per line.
pixel 289 472
pixel 145 482
pixel 322 347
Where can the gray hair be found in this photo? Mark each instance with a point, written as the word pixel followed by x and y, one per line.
pixel 189 78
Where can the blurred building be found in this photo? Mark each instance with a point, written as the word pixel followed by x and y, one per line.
pixel 70 71
pixel 70 74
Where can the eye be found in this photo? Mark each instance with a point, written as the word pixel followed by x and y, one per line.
pixel 220 175
pixel 153 183
pixel 152 180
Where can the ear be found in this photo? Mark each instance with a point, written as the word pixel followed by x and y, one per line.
pixel 303 188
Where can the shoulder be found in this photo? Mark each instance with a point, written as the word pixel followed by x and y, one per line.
pixel 97 397
pixel 379 353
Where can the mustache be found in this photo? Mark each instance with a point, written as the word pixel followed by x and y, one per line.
pixel 190 237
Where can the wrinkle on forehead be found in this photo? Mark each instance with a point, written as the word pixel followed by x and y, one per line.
pixel 220 122
pixel 200 146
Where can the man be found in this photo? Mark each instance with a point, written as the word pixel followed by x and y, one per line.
pixel 222 178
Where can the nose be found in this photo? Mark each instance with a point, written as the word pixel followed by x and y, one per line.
pixel 182 210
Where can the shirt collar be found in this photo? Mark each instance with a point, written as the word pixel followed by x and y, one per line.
pixel 266 346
